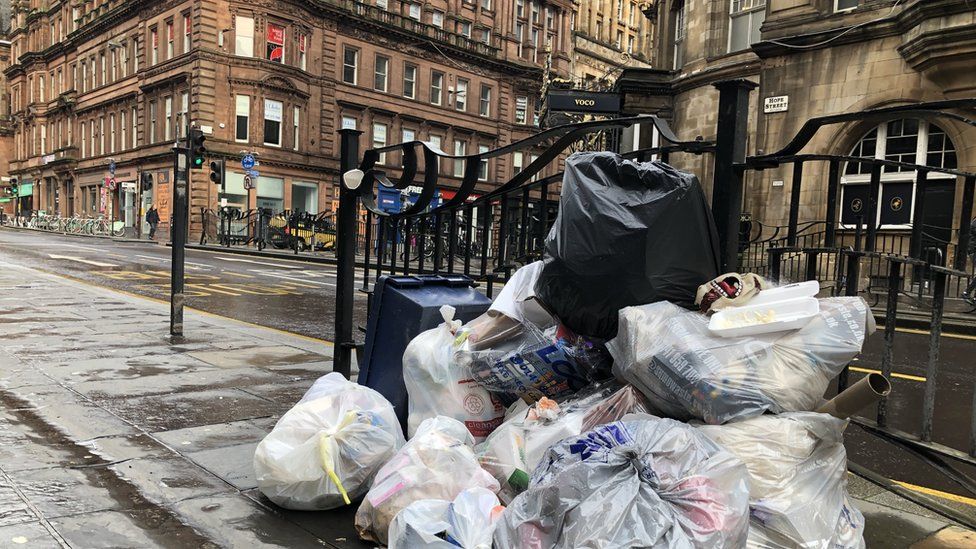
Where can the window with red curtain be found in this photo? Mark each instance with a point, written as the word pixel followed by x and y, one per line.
pixel 276 43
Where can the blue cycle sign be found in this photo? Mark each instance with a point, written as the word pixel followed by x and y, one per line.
pixel 111 167
pixel 247 162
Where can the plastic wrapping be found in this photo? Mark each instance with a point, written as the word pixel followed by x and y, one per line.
pixel 513 451
pixel 436 385
pixel 517 299
pixel 627 233
pixel 468 522
pixel 687 372
pixel 797 480
pixel 437 463
pixel 641 482
pixel 324 452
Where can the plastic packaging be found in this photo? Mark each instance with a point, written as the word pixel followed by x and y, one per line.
pixel 517 299
pixel 797 480
pixel 467 522
pixel 641 482
pixel 768 318
pixel 514 450
pixel 437 463
pixel 627 233
pixel 324 452
pixel 728 290
pixel 669 354
pixel 436 385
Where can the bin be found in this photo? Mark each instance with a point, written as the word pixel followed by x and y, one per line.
pixel 403 307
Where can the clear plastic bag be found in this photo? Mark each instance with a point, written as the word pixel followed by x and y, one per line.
pixel 323 453
pixel 513 451
pixel 437 386
pixel 640 482
pixel 797 480
pixel 437 463
pixel 670 355
pixel 468 522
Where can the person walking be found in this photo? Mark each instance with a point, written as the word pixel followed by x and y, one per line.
pixel 971 252
pixel 152 217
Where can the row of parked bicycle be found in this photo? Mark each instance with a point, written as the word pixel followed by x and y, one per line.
pixel 94 226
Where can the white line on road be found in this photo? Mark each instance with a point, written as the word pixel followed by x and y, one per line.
pixel 285 277
pixel 80 260
pixel 239 260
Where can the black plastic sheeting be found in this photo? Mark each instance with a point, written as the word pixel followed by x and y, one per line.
pixel 628 233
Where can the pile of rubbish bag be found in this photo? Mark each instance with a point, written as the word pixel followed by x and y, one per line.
pixel 618 393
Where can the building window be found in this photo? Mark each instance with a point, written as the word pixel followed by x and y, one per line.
pixel 630 14
pixel 44 138
pixel 296 117
pixel 745 19
pixel 521 109
pixel 619 43
pixel 135 132
pixel 115 62
pixel 484 106
pixel 550 19
pixel 348 122
pixel 410 81
pixel 482 163
pixel 437 19
pixel 630 44
pixel 135 55
pixel 520 8
pixel 911 141
pixel 272 122
pixel 379 139
pixel 152 123
pixel 519 36
pixel 381 69
pixel 464 28
pixel 436 87
pixel 84 142
pixel 486 4
pixel 680 29
pixel 276 43
pixel 302 49
pixel 244 36
pixel 461 95
pixel 517 161
pixel 843 5
pixel 535 13
pixel 382 4
pixel 535 45
pixel 111 135
pixel 486 35
pixel 243 110
pixel 460 149
pixel 122 129
pixel 413 10
pixel 154 52
pixel 350 65
pixel 40 89
pixel 170 39
pixel 92 73
pixel 168 121
pixel 409 135
pixel 187 29
pixel 183 116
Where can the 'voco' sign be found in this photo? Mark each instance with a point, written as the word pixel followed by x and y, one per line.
pixel 583 101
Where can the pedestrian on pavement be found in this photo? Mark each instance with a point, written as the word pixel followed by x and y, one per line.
pixel 152 217
pixel 971 252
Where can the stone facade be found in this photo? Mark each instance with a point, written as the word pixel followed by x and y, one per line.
pixel 827 59
pixel 98 81
pixel 609 35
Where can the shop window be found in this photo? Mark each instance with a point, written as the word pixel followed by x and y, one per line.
pixel 271 193
pixel 304 197
pixel 275 43
pixel 272 122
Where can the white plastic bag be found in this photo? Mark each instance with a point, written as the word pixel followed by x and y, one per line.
pixel 436 386
pixel 323 452
pixel 467 522
pixel 517 299
pixel 514 450
pixel 797 480
pixel 671 356
pixel 437 463
pixel 641 482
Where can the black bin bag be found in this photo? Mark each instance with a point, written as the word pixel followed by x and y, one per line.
pixel 627 233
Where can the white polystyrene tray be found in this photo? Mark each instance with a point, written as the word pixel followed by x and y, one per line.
pixel 798 290
pixel 788 315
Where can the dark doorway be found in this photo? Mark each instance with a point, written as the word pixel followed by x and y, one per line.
pixel 937 220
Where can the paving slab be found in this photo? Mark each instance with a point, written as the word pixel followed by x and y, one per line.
pixel 190 409
pixel 232 464
pixel 261 357
pixel 30 535
pixel 219 435
pixel 153 527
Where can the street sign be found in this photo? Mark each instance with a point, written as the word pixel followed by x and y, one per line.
pixel 111 167
pixel 248 184
pixel 583 101
pixel 112 183
pixel 247 162
pixel 778 103
pixel 253 174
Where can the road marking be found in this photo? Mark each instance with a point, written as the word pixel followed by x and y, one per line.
pixel 926 332
pixel 285 277
pixel 151 257
pixel 236 288
pixel 210 288
pixel 909 377
pixel 242 275
pixel 298 284
pixel 937 493
pixel 117 255
pixel 239 260
pixel 80 260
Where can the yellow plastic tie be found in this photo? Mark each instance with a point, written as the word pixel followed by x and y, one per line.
pixel 327 465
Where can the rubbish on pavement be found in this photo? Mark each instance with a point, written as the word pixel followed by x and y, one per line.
pixel 727 290
pixel 437 386
pixel 437 463
pixel 687 372
pixel 797 290
pixel 517 299
pixel 514 450
pixel 868 390
pixel 468 522
pixel 797 479
pixel 640 482
pixel 323 453
pixel 750 320
pixel 627 233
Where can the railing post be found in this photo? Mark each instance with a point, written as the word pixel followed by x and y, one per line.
pixel 891 317
pixel 833 184
pixel 730 148
pixel 345 254
pixel 965 217
pixel 794 203
pixel 932 368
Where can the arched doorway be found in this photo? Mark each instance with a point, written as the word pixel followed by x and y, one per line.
pixel 913 141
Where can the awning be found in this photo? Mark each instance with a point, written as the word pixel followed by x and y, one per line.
pixel 5 200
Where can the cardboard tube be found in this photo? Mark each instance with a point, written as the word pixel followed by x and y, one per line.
pixel 865 392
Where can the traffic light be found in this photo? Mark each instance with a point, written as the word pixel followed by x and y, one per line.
pixel 217 172
pixel 197 149
pixel 13 187
pixel 146 181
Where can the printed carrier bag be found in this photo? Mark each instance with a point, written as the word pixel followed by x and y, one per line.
pixel 437 386
pixel 437 463
pixel 686 371
pixel 641 482
pixel 468 522
pixel 514 450
pixel 324 452
pixel 797 480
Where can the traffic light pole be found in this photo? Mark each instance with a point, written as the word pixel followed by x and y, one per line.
pixel 181 187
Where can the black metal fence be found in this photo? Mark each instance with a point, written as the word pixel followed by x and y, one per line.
pixel 263 228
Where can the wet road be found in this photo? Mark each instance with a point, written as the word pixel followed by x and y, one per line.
pixel 299 297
